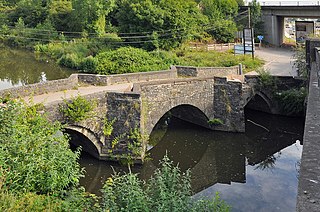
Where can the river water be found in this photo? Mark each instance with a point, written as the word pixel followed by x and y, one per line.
pixel 253 171
pixel 19 67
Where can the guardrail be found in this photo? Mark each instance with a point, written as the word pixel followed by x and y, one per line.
pixel 290 3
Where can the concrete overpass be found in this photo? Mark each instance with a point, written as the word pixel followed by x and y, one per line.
pixel 273 18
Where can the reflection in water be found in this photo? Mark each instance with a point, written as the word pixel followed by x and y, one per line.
pixel 253 171
pixel 19 67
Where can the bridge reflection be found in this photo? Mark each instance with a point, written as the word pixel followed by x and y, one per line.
pixel 217 157
pixel 212 157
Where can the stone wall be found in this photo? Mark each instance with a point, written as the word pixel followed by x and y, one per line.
pixel 187 71
pixel 309 175
pixel 42 88
pixel 126 78
pixel 228 105
pixel 125 109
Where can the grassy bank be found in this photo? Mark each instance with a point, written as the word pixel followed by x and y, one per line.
pixel 83 56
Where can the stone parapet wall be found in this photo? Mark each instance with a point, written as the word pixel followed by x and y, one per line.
pixel 188 71
pixel 126 78
pixel 42 88
pixel 309 174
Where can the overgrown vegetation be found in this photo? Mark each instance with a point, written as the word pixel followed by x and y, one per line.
pixel 292 102
pixel 38 171
pixel 167 190
pixel 77 109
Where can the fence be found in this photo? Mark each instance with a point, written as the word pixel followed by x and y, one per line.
pixel 210 47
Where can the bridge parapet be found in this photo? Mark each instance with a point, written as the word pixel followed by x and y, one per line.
pixel 309 176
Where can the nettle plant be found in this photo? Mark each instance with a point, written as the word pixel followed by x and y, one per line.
pixel 77 109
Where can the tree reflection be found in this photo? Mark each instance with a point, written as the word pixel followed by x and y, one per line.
pixel 269 163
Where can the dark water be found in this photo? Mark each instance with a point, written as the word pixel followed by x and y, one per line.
pixel 20 67
pixel 253 171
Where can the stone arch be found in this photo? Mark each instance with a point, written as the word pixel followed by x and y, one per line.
pixel 186 112
pixel 261 102
pixel 84 137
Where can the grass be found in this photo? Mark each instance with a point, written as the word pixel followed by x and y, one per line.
pixel 218 59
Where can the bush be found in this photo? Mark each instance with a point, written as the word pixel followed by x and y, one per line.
pixel 129 59
pixel 292 101
pixel 34 156
pixel 77 109
pixel 168 190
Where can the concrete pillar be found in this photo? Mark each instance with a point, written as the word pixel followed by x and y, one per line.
pixel 274 29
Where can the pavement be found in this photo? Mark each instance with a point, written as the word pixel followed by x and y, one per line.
pixel 55 96
pixel 278 61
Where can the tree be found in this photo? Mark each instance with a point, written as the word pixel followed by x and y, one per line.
pixel 255 15
pixel 168 22
pixel 33 12
pixel 59 14
pixel 90 15
pixel 220 14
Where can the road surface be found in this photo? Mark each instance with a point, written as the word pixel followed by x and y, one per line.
pixel 278 61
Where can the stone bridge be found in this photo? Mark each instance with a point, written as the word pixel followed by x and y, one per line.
pixel 214 98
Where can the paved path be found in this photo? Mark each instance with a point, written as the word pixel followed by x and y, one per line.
pixel 278 61
pixel 55 96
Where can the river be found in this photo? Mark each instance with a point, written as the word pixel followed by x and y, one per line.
pixel 20 67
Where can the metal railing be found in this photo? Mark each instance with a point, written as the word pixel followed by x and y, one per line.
pixel 289 3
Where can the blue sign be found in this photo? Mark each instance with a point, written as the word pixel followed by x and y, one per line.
pixel 260 37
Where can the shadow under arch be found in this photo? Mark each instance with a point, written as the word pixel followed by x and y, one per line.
pixel 185 112
pixel 83 137
pixel 260 102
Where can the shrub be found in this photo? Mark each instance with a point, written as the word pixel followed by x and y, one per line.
pixel 292 101
pixel 34 156
pixel 77 109
pixel 167 190
pixel 129 59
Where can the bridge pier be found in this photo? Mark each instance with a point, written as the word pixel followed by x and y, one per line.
pixel 274 29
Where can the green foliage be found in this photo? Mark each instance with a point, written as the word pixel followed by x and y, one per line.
pixel 74 200
pixel 215 122
pixel 167 190
pixel 175 20
pixel 266 81
pixel 129 59
pixel 34 156
pixel 219 9
pixel 292 102
pixel 223 31
pixel 108 126
pixel 77 109
pixel 217 59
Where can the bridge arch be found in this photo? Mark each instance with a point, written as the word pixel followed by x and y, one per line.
pixel 80 136
pixel 260 101
pixel 186 112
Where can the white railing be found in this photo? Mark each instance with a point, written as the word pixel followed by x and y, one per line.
pixel 289 3
pixel 210 47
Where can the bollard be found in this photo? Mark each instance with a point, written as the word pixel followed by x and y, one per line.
pixel 240 69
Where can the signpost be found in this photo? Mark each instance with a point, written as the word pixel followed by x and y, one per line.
pixel 248 43
pixel 260 37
